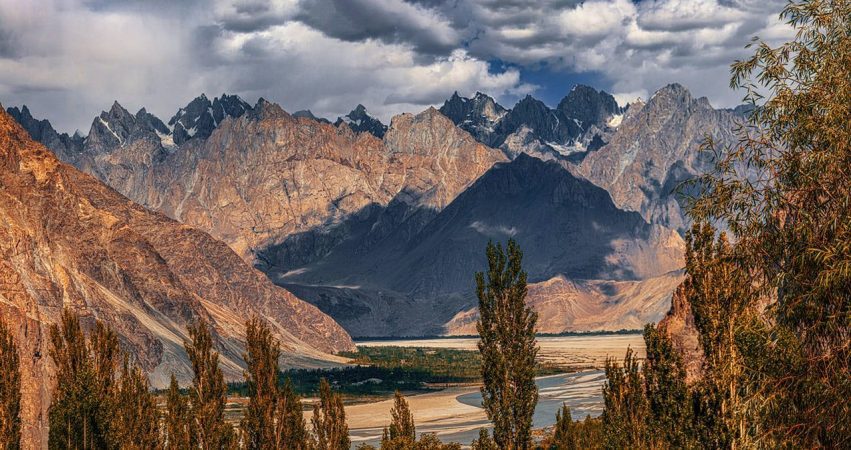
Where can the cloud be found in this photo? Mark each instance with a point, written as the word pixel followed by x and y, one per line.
pixel 493 230
pixel 68 59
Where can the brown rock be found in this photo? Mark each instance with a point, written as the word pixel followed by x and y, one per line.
pixel 68 241
pixel 589 305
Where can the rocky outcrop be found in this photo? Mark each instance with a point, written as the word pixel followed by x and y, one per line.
pixel 478 116
pixel 656 148
pixel 69 241
pixel 66 147
pixel 200 117
pixel 580 123
pixel 359 121
pixel 678 325
pixel 564 304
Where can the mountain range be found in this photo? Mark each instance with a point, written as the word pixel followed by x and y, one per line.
pixel 377 224
pixel 67 241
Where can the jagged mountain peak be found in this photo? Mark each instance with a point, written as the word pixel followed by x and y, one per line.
pixel 200 116
pixel 359 120
pixel 308 114
pixel 588 107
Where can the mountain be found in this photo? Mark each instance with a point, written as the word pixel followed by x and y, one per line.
pixel 580 123
pixel 565 304
pixel 69 241
pixel 200 117
pixel 478 115
pixel 63 145
pixel 657 147
pixel 309 115
pixel 372 281
pixel 303 173
pixel 361 122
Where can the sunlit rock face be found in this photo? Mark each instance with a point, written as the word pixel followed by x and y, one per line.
pixel 69 241
pixel 655 149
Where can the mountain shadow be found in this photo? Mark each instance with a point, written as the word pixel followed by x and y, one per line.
pixel 410 269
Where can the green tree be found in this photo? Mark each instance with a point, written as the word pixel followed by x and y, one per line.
pixel 290 427
pixel 783 192
pixel 330 431
pixel 134 421
pixel 208 393
pixel 564 434
pixel 10 391
pixel 261 377
pixel 176 419
pixel 402 421
pixel 625 417
pixel 80 413
pixel 671 418
pixel 507 343
pixel 484 441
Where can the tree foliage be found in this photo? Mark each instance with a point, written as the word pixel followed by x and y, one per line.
pixel 330 431
pixel 208 393
pixel 80 413
pixel 783 192
pixel 134 418
pixel 10 391
pixel 507 343
pixel 177 419
pixel 574 435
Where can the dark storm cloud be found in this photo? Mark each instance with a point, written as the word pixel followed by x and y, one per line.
pixel 391 22
pixel 68 59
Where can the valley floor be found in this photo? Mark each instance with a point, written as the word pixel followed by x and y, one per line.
pixel 454 414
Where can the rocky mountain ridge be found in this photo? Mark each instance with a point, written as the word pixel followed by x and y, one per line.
pixel 69 241
pixel 289 192
pixel 387 264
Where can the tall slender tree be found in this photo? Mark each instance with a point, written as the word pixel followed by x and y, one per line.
pixel 401 434
pixel 330 431
pixel 10 391
pixel 208 393
pixel 507 344
pixel 626 413
pixel 261 376
pixel 80 414
pixel 177 420
pixel 671 419
pixel 289 422
pixel 134 421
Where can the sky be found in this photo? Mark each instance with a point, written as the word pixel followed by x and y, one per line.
pixel 70 59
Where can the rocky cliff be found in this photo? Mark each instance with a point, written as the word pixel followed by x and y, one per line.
pixel 69 241
pixel 656 148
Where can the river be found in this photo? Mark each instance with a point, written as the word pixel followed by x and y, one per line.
pixel 455 414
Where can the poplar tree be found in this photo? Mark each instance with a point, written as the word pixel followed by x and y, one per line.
pixel 80 413
pixel 671 420
pixel 401 434
pixel 10 391
pixel 484 441
pixel 134 419
pixel 176 419
pixel 507 344
pixel 289 422
pixel 261 376
pixel 626 413
pixel 402 421
pixel 330 431
pixel 208 393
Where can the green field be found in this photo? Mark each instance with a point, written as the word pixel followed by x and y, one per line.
pixel 379 371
